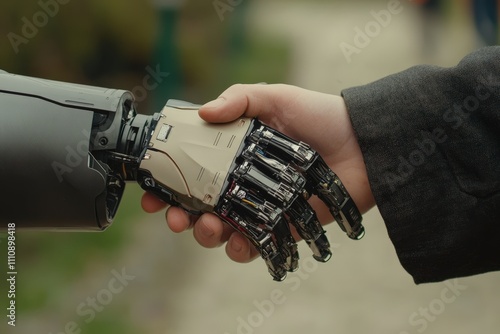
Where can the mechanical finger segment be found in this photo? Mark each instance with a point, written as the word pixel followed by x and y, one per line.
pixel 275 167
pixel 264 225
pixel 322 181
pixel 269 217
pixel 298 211
pixel 328 187
pixel 261 238
pixel 298 153
pixel 249 174
pixel 303 217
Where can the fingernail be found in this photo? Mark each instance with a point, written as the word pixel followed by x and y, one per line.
pixel 206 231
pixel 214 103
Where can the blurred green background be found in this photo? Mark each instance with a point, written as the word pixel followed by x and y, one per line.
pixel 179 287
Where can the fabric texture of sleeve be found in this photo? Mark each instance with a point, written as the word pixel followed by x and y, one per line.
pixel 430 137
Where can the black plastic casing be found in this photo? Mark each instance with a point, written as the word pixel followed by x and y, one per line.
pixel 51 135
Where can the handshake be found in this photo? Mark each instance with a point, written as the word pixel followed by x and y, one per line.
pixel 254 178
pixel 231 165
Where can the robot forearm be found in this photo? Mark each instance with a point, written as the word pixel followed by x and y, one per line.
pixel 72 148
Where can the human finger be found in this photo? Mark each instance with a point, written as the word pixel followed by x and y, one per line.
pixel 209 231
pixel 239 249
pixel 150 203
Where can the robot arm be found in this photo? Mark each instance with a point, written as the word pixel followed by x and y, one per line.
pixel 72 148
pixel 66 151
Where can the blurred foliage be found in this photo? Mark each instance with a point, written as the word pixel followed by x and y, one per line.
pixel 85 41
pixel 216 54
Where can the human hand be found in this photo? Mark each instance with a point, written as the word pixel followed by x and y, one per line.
pixel 320 120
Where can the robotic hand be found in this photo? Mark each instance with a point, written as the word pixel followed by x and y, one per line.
pixel 70 149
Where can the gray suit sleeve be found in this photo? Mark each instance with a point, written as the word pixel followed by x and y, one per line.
pixel 430 137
